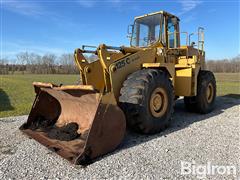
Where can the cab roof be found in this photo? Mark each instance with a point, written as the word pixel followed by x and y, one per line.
pixel 158 12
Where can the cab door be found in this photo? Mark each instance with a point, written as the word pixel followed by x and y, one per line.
pixel 172 32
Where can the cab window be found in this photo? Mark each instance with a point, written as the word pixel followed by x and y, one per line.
pixel 172 38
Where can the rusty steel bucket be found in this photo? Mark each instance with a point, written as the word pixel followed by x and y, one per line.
pixel 76 122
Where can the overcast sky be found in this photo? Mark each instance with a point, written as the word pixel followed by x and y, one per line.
pixel 49 26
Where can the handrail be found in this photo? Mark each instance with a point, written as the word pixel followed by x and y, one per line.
pixel 179 33
pixel 200 35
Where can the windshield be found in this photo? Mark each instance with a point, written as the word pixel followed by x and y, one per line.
pixel 146 30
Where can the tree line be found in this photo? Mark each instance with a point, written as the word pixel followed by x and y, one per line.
pixel 33 63
pixel 225 65
pixel 36 64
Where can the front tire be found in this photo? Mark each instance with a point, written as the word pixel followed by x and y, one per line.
pixel 206 94
pixel 147 99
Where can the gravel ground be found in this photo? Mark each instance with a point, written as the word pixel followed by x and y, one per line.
pixel 191 138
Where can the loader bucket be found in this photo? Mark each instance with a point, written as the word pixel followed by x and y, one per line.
pixel 76 122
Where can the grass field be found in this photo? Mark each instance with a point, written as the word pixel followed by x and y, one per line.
pixel 228 83
pixel 17 94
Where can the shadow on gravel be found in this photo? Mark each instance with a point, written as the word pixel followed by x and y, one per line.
pixel 237 96
pixel 5 104
pixel 181 119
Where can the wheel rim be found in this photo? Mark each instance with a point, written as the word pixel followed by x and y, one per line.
pixel 209 94
pixel 158 102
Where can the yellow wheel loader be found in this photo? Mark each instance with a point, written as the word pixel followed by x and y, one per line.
pixel 134 85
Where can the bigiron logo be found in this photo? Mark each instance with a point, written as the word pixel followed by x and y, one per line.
pixel 203 170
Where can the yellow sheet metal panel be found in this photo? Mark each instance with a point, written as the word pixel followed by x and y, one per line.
pixel 94 76
pixel 120 69
pixel 151 65
pixel 183 82
pixel 184 61
pixel 196 70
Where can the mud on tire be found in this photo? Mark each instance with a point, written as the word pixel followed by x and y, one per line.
pixel 136 100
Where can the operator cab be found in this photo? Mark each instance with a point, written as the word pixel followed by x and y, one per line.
pixel 160 27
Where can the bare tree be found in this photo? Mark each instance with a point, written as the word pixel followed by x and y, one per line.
pixel 48 61
pixel 4 66
pixel 67 64
pixel 225 65
pixel 23 59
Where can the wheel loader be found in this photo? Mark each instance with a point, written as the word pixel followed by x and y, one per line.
pixel 135 86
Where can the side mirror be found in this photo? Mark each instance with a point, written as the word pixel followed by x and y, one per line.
pixel 130 31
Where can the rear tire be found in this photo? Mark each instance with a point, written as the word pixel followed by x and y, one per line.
pixel 206 93
pixel 147 99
